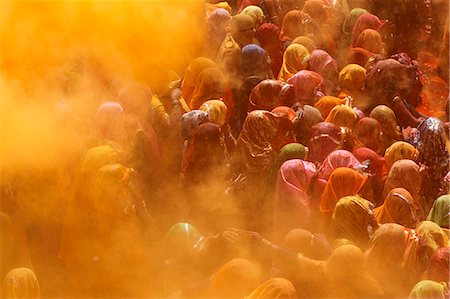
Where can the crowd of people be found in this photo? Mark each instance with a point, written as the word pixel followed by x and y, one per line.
pixel 303 154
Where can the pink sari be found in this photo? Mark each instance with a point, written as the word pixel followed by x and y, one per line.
pixel 292 208
pixel 338 158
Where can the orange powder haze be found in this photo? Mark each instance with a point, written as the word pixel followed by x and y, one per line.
pixel 80 53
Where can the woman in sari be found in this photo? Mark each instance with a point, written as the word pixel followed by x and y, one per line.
pixel 254 62
pixel 218 114
pixel 268 36
pixel 351 221
pixel 210 86
pixel 405 174
pixel 325 138
pixel 390 132
pixel 433 237
pixel 293 205
pixel 428 289
pixel 216 26
pixel 351 82
pixel 306 117
pixel 433 145
pixel 400 150
pixel 365 21
pixel 307 87
pixel 288 152
pixel 343 181
pixel 267 95
pixel 336 159
pixel 392 258
pixel 293 26
pixel 327 103
pixel 367 133
pixel 254 160
pixel 256 13
pixel 397 208
pixel 191 76
pixel 20 283
pixel 440 211
pixel 295 59
pixel 322 63
pixel 370 40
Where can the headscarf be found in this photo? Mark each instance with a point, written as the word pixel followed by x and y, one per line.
pixel 322 63
pixel 387 259
pixel 440 212
pixel 268 36
pixel 336 159
pixel 432 144
pixel 307 86
pixel 267 95
pixel 346 269
pixel 215 33
pixel 405 174
pixel 292 202
pixel 343 181
pixel 109 122
pixel 377 163
pixel 295 58
pixel 255 12
pixel 370 40
pixel 351 19
pixel 325 138
pixel 255 141
pixel 210 86
pixel 285 128
pixel 20 283
pixel 433 236
pixel 290 151
pixel 217 111
pixel 400 150
pixel 292 25
pixel 306 42
pixel 327 103
pixel 274 288
pixel 350 220
pixel 342 116
pixel 388 122
pixel 190 121
pixel 428 289
pixel 236 279
pixel 397 208
pixel 352 78
pixel 306 117
pixel 191 76
pixel 365 21
pixel 438 265
pixel 254 62
pixel 367 133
